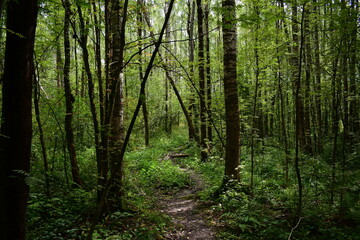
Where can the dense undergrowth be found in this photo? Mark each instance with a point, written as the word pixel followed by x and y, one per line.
pixel 266 211
pixel 66 214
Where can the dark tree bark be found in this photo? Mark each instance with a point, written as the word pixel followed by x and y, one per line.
pixel 69 100
pixel 299 109
pixel 36 85
pixel 116 97
pixel 232 154
pixel 208 72
pixel 192 103
pixel 308 74
pixel 317 87
pixel 280 24
pixel 83 39
pixel 16 122
pixel 353 60
pixel 167 117
pixel 296 63
pixel 59 67
pixel 100 156
pixel 255 103
pixel 202 83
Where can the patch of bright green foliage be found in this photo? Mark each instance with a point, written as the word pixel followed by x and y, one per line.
pixel 147 174
pixel 268 210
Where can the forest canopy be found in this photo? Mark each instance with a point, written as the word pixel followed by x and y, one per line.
pixel 112 107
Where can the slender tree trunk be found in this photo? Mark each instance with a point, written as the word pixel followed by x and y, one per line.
pixel 279 25
pixel 69 99
pixel 190 31
pixel 317 87
pixel 353 103
pixel 59 67
pixel 232 154
pixel 167 117
pixel 295 64
pixel 208 72
pixel 85 54
pixel 254 110
pixel 140 5
pixel 99 131
pixel 307 93
pixel 299 110
pixel 181 102
pixel 202 83
pixel 283 126
pixel 36 85
pixel 335 121
pixel 16 121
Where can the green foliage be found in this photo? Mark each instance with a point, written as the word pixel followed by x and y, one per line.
pixel 57 217
pixel 267 210
pixel 148 170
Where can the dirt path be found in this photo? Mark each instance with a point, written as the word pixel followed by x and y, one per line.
pixel 188 218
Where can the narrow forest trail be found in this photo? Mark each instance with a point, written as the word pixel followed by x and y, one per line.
pixel 188 216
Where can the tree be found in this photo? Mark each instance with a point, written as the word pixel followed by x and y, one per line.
pixel 202 82
pixel 69 100
pixel 115 86
pixel 140 23
pixel 190 31
pixel 232 149
pixel 16 122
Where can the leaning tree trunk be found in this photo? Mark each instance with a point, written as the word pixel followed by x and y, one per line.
pixel 232 154
pixel 16 121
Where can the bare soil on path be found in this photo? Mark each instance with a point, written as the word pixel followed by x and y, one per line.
pixel 188 216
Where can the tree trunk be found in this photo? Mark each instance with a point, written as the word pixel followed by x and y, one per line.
pixel 284 132
pixel 167 117
pixel 307 94
pixel 116 98
pixel 83 44
pixel 183 107
pixel 208 73
pixel 299 107
pixel 69 100
pixel 190 31
pixel 59 67
pixel 202 88
pixel 36 85
pixel 295 64
pixel 140 5
pixel 232 155
pixel 319 131
pixel 16 121
pixel 354 120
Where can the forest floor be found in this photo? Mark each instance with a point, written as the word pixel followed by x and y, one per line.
pixel 189 217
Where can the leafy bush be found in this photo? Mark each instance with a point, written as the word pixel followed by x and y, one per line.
pixel 57 217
